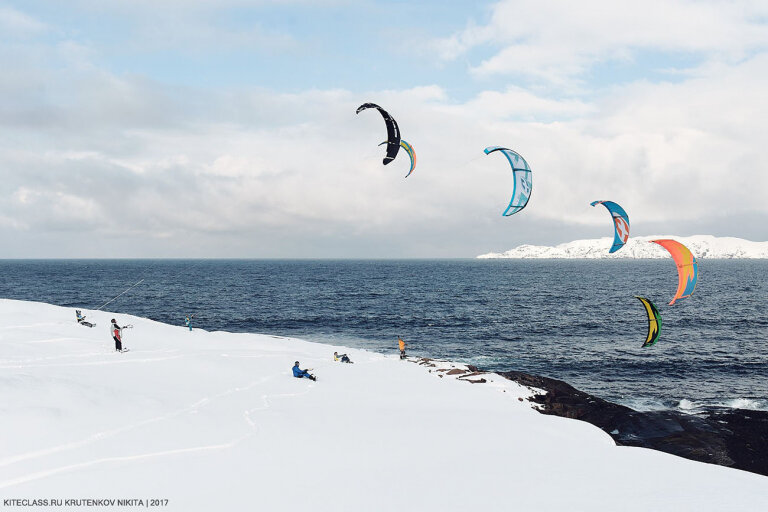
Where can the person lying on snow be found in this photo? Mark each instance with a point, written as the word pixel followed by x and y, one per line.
pixel 299 373
pixel 341 357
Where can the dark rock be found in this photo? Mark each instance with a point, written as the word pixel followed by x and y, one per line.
pixel 729 437
pixel 476 381
pixel 473 374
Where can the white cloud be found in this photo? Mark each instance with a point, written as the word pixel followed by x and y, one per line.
pixel 521 104
pixel 19 24
pixel 89 155
pixel 198 27
pixel 557 41
pixel 300 163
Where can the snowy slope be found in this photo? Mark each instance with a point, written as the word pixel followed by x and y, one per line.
pixel 215 421
pixel 702 246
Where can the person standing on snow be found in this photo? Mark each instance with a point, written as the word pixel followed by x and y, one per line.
pixel 188 321
pixel 117 335
pixel 401 344
pixel 299 373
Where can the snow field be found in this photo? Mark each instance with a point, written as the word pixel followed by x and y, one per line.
pixel 214 420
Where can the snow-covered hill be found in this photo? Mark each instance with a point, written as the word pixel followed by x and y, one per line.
pixel 216 421
pixel 702 246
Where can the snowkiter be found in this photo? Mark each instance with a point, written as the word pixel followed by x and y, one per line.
pixel 81 319
pixel 401 344
pixel 341 357
pixel 299 373
pixel 117 335
pixel 188 321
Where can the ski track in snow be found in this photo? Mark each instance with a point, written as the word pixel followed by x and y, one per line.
pixel 27 326
pixel 77 356
pixel 99 436
pixel 54 340
pixel 142 456
pixel 267 404
pixel 97 363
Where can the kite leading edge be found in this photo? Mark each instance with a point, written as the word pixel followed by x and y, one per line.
pixel 654 321
pixel 687 268
pixel 521 192
pixel 411 154
pixel 393 132
pixel 620 223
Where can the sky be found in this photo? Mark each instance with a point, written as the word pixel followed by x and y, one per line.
pixel 227 129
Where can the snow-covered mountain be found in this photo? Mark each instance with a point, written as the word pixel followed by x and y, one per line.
pixel 702 246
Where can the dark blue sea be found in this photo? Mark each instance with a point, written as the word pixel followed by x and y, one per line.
pixel 573 320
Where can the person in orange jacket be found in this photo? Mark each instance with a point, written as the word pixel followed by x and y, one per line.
pixel 401 343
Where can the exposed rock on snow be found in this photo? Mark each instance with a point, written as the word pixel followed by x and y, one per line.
pixel 702 246
pixel 729 437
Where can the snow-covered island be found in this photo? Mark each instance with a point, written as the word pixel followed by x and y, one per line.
pixel 216 421
pixel 702 246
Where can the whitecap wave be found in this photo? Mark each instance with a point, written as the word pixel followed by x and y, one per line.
pixel 752 404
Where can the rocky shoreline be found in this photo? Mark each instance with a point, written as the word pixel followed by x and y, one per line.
pixel 735 438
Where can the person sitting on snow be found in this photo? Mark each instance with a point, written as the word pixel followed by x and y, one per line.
pixel 81 319
pixel 341 357
pixel 299 373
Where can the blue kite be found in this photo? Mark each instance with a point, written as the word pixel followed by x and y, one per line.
pixel 523 179
pixel 620 223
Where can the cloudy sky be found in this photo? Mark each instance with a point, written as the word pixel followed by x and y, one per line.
pixel 227 128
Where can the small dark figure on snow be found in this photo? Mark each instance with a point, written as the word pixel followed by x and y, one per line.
pixel 341 357
pixel 81 319
pixel 117 335
pixel 188 321
pixel 299 373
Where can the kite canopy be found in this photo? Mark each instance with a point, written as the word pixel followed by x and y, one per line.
pixel 654 321
pixel 393 132
pixel 687 268
pixel 523 179
pixel 411 154
pixel 620 223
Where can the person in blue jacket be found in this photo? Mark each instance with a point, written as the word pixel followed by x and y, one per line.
pixel 188 321
pixel 299 373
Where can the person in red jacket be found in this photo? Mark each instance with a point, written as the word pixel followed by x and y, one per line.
pixel 117 335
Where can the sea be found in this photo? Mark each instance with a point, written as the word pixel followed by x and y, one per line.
pixel 573 320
